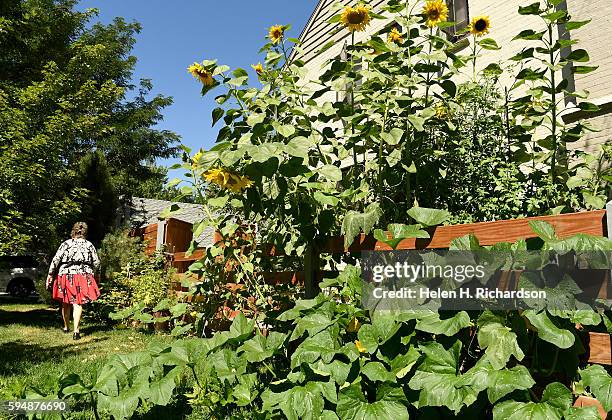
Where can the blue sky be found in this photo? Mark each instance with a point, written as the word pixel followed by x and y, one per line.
pixel 177 33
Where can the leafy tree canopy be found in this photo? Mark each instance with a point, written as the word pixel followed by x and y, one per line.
pixel 66 90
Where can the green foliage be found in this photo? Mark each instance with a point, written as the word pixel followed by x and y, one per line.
pixel 328 358
pixel 387 130
pixel 64 92
pixel 132 283
pixel 100 206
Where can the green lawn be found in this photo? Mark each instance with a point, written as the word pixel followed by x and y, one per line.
pixel 34 351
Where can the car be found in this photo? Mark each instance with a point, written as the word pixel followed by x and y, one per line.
pixel 19 274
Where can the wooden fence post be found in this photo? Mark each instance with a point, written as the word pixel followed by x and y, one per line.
pixel 311 270
pixel 609 218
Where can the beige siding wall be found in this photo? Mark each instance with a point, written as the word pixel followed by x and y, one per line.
pixel 596 39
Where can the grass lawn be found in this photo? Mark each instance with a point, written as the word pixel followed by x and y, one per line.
pixel 34 352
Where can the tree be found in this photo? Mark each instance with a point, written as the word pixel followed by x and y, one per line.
pixel 100 208
pixel 66 90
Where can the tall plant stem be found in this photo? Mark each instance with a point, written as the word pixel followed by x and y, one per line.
pixel 553 87
pixel 380 152
pixel 352 92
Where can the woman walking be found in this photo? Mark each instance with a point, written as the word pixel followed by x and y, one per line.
pixel 73 270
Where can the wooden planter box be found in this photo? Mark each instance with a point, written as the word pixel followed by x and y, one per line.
pixel 584 401
pixel 600 348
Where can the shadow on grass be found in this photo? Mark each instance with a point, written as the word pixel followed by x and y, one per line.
pixel 18 355
pixel 42 317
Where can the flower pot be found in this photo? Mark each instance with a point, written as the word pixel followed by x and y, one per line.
pixel 600 348
pixel 584 401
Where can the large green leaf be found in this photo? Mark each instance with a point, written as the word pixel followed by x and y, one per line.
pixel 438 380
pixel 449 326
pixel 260 348
pixel 160 391
pixel 548 331
pixel 497 383
pixel 498 340
pixel 544 230
pixel 354 222
pixel 321 346
pixel 600 384
pixel 428 217
pixel 582 413
pixel 299 147
pixel 241 328
pixel 313 323
pixel 379 332
pixel 399 232
pixel 330 172
pixel 302 402
pixel 556 400
pixel 376 371
pixel 352 405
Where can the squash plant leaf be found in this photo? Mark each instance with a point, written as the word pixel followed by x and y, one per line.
pixel 399 232
pixel 556 400
pixel 498 383
pixel 352 404
pixel 600 384
pixel 498 340
pixel 450 326
pixel 428 217
pixel 548 331
pixel 438 381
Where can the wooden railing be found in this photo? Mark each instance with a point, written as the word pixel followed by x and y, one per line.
pixel 488 233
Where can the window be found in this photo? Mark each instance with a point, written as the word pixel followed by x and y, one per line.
pixel 458 12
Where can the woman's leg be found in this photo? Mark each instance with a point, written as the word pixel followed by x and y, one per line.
pixel 66 314
pixel 77 310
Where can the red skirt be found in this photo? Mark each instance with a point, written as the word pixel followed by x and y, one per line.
pixel 75 288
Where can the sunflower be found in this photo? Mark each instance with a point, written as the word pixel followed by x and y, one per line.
pixel 227 180
pixel 258 68
pixel 356 19
pixel 435 11
pixel 395 36
pixel 198 71
pixel 480 25
pixel 217 176
pixel 277 32
pixel 196 159
pixel 441 111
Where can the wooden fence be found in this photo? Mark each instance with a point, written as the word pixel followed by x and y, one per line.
pixel 488 233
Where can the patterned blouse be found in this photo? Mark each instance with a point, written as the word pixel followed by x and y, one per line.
pixel 75 256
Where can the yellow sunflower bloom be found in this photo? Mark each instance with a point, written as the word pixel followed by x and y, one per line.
pixel 441 111
pixel 215 176
pixel 360 347
pixel 356 18
pixel 435 11
pixel 196 159
pixel 227 180
pixel 277 32
pixel 395 36
pixel 258 68
pixel 480 25
pixel 198 71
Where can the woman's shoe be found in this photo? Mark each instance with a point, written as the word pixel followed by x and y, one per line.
pixel 65 330
pixel 76 336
